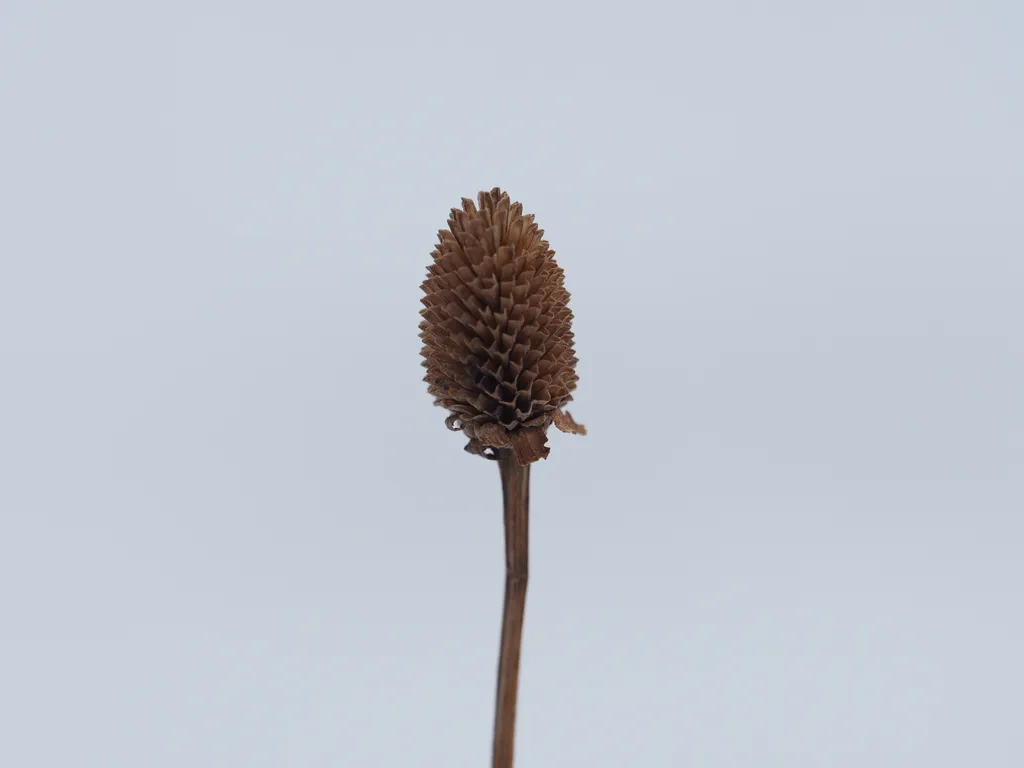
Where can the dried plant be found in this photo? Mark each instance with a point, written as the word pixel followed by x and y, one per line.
pixel 498 349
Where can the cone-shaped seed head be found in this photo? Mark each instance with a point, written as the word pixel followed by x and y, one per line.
pixel 496 333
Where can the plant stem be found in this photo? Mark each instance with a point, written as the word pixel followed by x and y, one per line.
pixel 515 485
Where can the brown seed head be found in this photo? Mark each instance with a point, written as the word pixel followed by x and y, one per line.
pixel 497 340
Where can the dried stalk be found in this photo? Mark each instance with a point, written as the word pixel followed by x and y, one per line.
pixel 498 349
pixel 515 486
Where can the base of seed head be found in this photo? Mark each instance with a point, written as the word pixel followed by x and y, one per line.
pixel 528 444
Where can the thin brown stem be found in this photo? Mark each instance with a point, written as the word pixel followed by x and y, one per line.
pixel 515 485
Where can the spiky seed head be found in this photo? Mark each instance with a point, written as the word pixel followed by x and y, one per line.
pixel 496 330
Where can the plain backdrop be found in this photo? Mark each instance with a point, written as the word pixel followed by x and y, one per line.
pixel 234 531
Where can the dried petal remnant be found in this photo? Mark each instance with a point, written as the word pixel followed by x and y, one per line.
pixel 496 329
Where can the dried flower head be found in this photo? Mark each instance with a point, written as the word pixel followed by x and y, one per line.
pixel 496 330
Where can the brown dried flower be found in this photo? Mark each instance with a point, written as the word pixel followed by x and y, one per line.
pixel 496 330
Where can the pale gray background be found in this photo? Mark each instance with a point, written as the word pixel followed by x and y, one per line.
pixel 234 530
